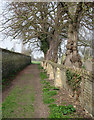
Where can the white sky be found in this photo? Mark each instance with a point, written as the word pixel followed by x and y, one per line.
pixel 16 44
pixel 7 43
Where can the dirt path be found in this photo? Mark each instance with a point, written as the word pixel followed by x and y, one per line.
pixel 24 98
pixel 40 110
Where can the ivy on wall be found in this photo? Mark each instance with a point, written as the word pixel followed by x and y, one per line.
pixel 73 80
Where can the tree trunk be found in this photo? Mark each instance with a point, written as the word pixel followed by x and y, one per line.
pixel 44 56
pixel 52 52
pixel 49 52
pixel 72 56
pixel 55 51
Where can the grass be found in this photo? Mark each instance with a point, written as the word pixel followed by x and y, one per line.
pixel 60 111
pixel 43 76
pixel 47 100
pixel 18 104
pixel 49 91
pixel 36 62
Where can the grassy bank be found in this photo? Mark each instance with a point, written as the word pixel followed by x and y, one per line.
pixel 56 111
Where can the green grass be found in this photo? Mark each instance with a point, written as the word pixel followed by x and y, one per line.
pixel 48 93
pixel 60 111
pixel 55 88
pixel 36 62
pixel 43 76
pixel 63 103
pixel 45 89
pixel 18 104
pixel 47 100
pixel 47 96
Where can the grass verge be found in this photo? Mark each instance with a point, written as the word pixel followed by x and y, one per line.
pixel 36 62
pixel 18 104
pixel 49 91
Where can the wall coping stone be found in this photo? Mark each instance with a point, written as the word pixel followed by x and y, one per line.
pixel 83 73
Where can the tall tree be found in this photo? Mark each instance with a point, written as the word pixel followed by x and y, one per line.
pixel 36 20
pixel 77 12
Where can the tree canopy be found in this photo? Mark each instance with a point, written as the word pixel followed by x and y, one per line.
pixel 47 24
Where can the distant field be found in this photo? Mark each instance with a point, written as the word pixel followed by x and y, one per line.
pixel 36 62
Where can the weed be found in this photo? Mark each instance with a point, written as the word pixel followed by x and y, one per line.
pixel 45 89
pixel 55 88
pixel 64 103
pixel 43 75
pixel 49 91
pixel 47 100
pixel 60 111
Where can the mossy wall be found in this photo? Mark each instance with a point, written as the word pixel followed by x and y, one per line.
pixel 13 62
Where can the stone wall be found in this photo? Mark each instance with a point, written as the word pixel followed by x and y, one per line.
pixel 13 62
pixel 58 73
pixel 0 84
pixel 0 65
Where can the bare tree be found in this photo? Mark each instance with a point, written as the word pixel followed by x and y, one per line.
pixel 45 24
pixel 78 15
pixel 36 20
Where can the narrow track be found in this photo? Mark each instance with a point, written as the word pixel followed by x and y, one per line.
pixel 24 98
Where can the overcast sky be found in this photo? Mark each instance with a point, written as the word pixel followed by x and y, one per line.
pixel 16 44
pixel 7 43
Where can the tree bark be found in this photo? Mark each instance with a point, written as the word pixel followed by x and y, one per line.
pixel 72 56
pixel 49 52
pixel 52 52
pixel 55 52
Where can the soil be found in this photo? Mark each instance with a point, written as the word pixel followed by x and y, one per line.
pixel 64 98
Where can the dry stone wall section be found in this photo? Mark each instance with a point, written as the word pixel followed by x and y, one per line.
pixel 86 96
